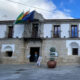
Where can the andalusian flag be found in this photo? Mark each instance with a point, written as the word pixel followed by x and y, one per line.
pixel 19 18
pixel 23 17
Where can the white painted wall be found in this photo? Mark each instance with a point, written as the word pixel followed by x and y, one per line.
pixel 79 30
pixel 7 45
pixel 68 42
pixel 65 30
pixel 3 31
pixel 47 30
pixel 18 31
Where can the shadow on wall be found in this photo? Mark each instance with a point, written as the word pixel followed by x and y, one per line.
pixel 1 61
pixel 78 60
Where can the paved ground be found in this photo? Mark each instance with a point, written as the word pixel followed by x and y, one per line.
pixel 31 72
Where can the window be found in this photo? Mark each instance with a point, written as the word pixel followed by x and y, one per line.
pixel 9 53
pixel 75 51
pixel 56 31
pixel 35 30
pixel 74 31
pixel 10 31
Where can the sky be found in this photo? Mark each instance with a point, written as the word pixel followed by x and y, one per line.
pixel 50 9
pixel 72 7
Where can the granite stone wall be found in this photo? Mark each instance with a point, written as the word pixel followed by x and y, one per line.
pixel 22 50
pixel 18 54
pixel 63 57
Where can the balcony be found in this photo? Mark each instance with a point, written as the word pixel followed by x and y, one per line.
pixel 32 36
pixel 74 34
pixel 57 34
pixel 35 35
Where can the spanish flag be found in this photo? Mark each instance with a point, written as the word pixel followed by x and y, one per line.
pixel 26 14
pixel 23 17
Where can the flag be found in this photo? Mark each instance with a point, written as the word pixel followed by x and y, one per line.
pixel 25 17
pixel 25 14
pixel 29 17
pixel 19 18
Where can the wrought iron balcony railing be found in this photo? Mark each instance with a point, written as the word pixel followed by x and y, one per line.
pixel 57 34
pixel 73 34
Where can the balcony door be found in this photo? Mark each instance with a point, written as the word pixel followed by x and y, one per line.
pixel 10 31
pixel 56 31
pixel 35 30
pixel 74 31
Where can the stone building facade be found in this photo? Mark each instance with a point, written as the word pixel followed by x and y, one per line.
pixel 20 41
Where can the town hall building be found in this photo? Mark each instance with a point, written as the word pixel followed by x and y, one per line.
pixel 20 42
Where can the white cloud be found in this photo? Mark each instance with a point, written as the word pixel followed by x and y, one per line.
pixel 9 10
pixel 67 10
pixel 61 15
